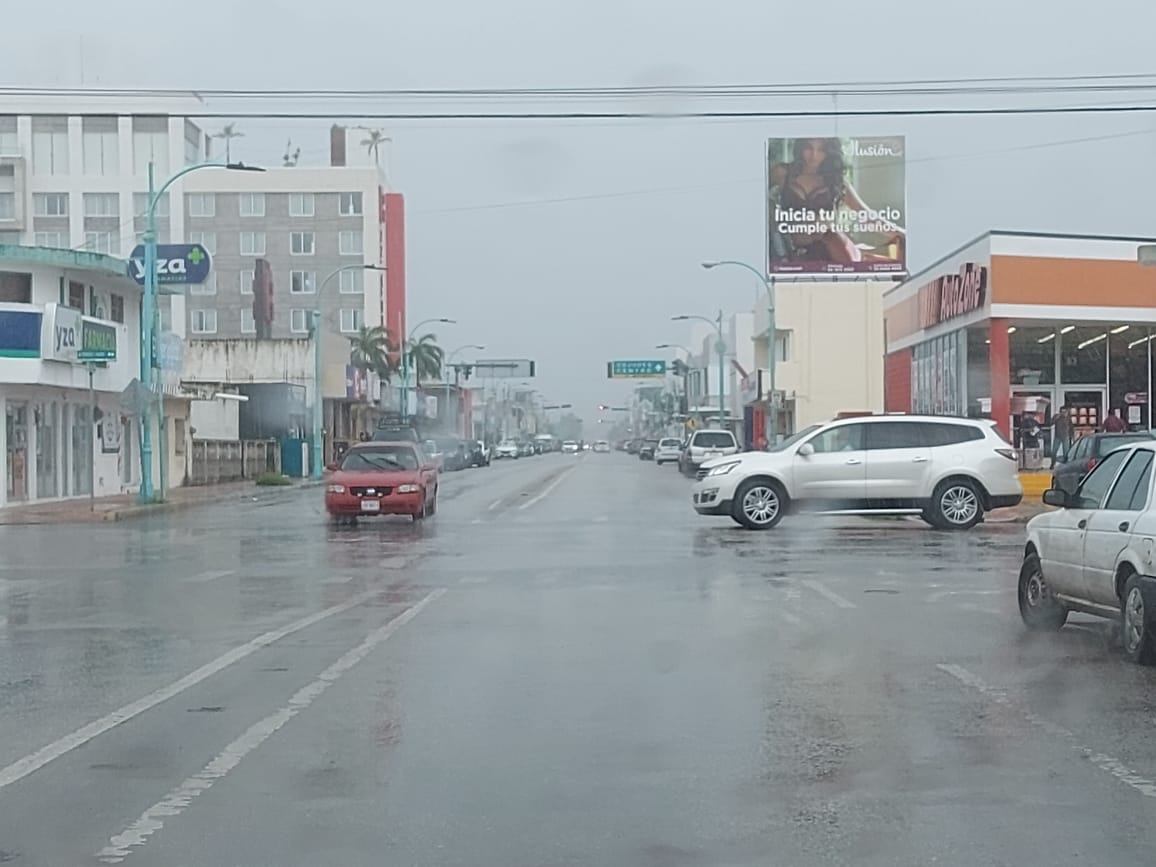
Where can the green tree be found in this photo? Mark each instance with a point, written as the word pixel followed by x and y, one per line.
pixel 370 350
pixel 424 357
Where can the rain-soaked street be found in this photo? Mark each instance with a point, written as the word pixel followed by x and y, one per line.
pixel 565 666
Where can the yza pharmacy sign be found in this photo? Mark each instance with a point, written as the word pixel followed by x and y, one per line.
pixel 60 333
pixel 177 264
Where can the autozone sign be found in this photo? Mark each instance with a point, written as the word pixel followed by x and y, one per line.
pixel 952 295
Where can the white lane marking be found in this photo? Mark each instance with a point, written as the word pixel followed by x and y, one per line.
pixel 943 594
pixel 1104 762
pixel 209 575
pixel 495 504
pixel 549 489
pixel 151 821
pixel 21 768
pixel 475 579
pixel 828 593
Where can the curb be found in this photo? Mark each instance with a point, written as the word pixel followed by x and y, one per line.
pixel 136 511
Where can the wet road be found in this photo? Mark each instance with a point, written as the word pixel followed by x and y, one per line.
pixel 566 666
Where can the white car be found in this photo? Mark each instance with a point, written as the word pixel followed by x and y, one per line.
pixel 1096 553
pixel 707 444
pixel 947 470
pixel 668 450
pixel 507 449
pixel 602 446
pixel 570 447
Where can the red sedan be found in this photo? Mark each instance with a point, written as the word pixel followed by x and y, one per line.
pixel 380 478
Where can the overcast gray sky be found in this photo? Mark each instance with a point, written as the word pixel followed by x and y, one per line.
pixel 575 283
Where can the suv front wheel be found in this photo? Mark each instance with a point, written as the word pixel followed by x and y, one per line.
pixel 759 504
pixel 956 504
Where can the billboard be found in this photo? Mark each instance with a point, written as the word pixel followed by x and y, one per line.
pixel 836 205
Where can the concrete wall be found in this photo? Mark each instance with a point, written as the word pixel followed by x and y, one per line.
pixel 251 360
pixel 215 419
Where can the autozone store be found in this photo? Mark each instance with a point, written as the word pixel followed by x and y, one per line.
pixel 1015 326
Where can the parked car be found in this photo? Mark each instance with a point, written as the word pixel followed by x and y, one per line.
pixel 570 447
pixel 632 446
pixel 1093 554
pixel 455 454
pixel 507 449
pixel 646 450
pixel 950 471
pixel 707 444
pixel 668 451
pixel 479 454
pixel 1088 451
pixel 434 452
pixel 399 432
pixel 602 446
pixel 526 449
pixel 376 478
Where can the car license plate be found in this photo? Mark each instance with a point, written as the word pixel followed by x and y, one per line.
pixel 371 505
pixel 713 453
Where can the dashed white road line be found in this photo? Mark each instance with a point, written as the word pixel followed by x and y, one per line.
pixel 209 575
pixel 549 489
pixel 829 594
pixel 33 762
pixel 495 504
pixel 152 820
pixel 1104 762
pixel 943 594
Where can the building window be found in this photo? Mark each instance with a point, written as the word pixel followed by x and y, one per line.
pixel 299 321
pixel 7 206
pixel 15 288
pixel 13 238
pixel 245 281
pixel 350 243
pixel 248 323
pixel 301 204
pixel 208 240
pixel 140 205
pixel 349 204
pixel 252 243
pixel 8 146
pixel 116 307
pixel 150 143
pixel 192 144
pixel 301 243
pixel 50 145
pixel 352 282
pixel 252 204
pixel 209 287
pixel 202 204
pixel 782 345
pixel 302 282
pixel 50 204
pixel 350 321
pixel 99 143
pixel 204 321
pixel 101 205
pixel 165 312
pixel 76 295
pixel 49 239
pixel 98 242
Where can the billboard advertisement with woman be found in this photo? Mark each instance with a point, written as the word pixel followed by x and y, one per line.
pixel 836 205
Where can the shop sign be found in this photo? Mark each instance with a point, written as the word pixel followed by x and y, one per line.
pixel 952 295
pixel 751 388
pixel 60 333
pixel 20 332
pixel 1138 397
pixel 97 341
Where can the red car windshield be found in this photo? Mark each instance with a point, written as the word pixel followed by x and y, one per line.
pixel 370 460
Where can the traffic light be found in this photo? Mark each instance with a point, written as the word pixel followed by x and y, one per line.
pixel 603 407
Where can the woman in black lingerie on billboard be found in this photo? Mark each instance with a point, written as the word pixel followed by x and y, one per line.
pixel 816 180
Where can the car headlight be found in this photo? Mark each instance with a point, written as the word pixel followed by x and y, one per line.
pixel 722 469
pixel 335 489
pixel 408 489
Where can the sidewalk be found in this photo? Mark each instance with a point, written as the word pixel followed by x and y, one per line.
pixel 125 506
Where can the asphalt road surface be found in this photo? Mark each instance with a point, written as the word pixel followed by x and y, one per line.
pixel 565 667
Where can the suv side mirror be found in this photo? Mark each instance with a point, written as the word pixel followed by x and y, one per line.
pixel 805 450
pixel 1057 497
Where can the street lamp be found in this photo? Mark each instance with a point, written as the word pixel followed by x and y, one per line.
pixel 149 325
pixel 685 369
pixel 318 408
pixel 769 284
pixel 405 361
pixel 449 358
pixel 721 346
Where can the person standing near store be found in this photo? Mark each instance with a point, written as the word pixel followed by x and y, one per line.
pixel 1114 423
pixel 1061 435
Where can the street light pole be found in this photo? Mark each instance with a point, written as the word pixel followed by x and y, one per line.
pixel 450 358
pixel 721 347
pixel 318 406
pixel 772 332
pixel 149 321
pixel 405 361
pixel 684 402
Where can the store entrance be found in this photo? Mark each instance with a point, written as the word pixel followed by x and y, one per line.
pixel 1086 408
pixel 1031 418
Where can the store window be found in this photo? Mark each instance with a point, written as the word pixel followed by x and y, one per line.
pixel 1128 367
pixel 1083 354
pixel 81 450
pixel 16 453
pixel 46 417
pixel 978 372
pixel 1032 355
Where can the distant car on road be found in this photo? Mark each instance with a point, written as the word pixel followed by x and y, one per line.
pixel 507 449
pixel 707 444
pixel 602 446
pixel 1088 451
pixel 372 479
pixel 647 449
pixel 668 451
pixel 947 470
pixel 570 447
pixel 479 453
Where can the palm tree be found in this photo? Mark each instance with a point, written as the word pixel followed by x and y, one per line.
pixel 425 357
pixel 228 133
pixel 373 143
pixel 370 350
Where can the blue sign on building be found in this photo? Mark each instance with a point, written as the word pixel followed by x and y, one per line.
pixel 176 264
pixel 20 333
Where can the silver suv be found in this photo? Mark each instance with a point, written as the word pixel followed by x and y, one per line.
pixel 947 470
pixel 707 445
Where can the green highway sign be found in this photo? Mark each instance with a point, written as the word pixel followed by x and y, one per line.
pixel 635 369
